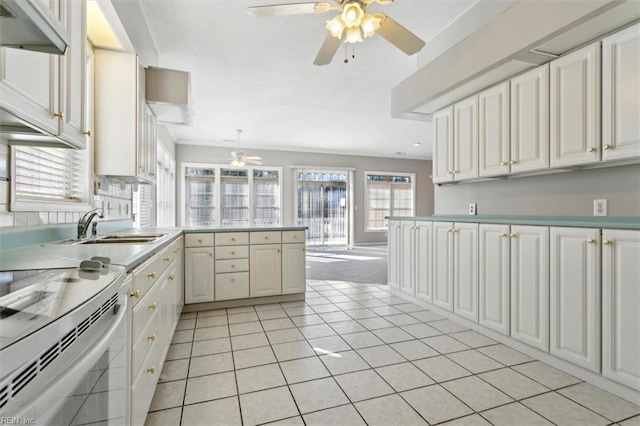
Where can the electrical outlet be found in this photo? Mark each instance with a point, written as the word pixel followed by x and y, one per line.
pixel 472 209
pixel 600 207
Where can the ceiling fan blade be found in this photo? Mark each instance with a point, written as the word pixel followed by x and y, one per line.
pixel 400 37
pixel 253 158
pixel 253 162
pixel 327 51
pixel 289 9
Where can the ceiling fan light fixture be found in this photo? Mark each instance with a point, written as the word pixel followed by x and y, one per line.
pixel 336 26
pixel 370 24
pixel 352 14
pixel 353 35
pixel 237 162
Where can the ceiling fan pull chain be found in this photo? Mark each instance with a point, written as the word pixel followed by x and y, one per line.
pixel 346 54
pixel 353 51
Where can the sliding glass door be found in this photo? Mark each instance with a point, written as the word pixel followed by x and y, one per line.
pixel 323 206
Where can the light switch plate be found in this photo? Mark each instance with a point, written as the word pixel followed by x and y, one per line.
pixel 600 207
pixel 472 209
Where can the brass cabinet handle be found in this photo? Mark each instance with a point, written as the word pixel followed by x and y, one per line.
pixel 151 370
pixel 455 230
pixel 295 237
pixel 607 242
pixel 504 234
pixel 233 239
pixel 607 146
pixel 512 162
pixel 151 337
pixel 449 172
pixel 211 254
pixel 233 280
pixel 175 251
pixel 591 241
pixel 453 172
pixel 199 240
pixel 397 226
pixel 504 163
pixel 449 230
pixel 153 306
pixel 135 294
pixel 233 266
pixel 278 250
pixel 172 276
pixel 151 275
pixel 87 133
pixel 166 259
pixel 59 114
pixel 513 235
pixel 266 237
pixel 233 252
pixel 303 249
pixel 592 149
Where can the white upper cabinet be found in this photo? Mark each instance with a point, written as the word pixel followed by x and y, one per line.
pixel 443 145
pixel 575 108
pixel 465 270
pixel 465 139
pixel 530 285
pixel 493 133
pixel 620 301
pixel 493 277
pixel 621 95
pixel 530 121
pixel 48 91
pixel 574 297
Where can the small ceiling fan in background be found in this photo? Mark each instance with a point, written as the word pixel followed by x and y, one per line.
pixel 238 158
pixel 349 25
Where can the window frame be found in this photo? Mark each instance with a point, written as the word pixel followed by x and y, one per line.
pixel 366 197
pixel 217 182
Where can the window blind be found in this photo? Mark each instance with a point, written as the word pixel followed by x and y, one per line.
pixel 49 175
pixel 143 204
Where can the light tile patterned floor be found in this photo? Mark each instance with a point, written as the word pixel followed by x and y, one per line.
pixel 353 354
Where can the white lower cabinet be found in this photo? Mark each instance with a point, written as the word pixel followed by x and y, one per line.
pixel 575 295
pixel 294 269
pixel 443 265
pixel 620 306
pixel 493 278
pixel 465 270
pixel 233 285
pixel 423 254
pixel 198 274
pixel 530 285
pixel 394 261
pixel 265 270
pixel 407 268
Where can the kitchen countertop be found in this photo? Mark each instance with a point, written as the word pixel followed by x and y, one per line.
pixel 607 222
pixel 51 255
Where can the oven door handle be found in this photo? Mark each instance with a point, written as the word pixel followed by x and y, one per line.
pixel 47 403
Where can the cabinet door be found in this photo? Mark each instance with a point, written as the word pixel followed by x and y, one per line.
pixel 465 138
pixel 423 256
pixel 407 275
pixel 465 270
pixel 530 121
pixel 265 270
pixel 394 259
pixel 574 297
pixel 575 108
pixel 443 145
pixel 73 96
pixel 620 313
pixel 493 278
pixel 294 268
pixel 620 93
pixel 443 265
pixel 493 131
pixel 530 285
pixel 198 275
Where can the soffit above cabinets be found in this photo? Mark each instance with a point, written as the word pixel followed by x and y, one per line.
pixel 526 35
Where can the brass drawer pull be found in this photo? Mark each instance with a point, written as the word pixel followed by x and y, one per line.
pixel 266 237
pixel 504 234
pixel 233 252
pixel 59 115
pixel 607 242
pixel 135 294
pixel 504 163
pixel 592 149
pixel 233 266
pixel 151 275
pixel 87 133
pixel 172 276
pixel 199 240
pixel 166 259
pixel 607 146
pixel 513 235
pixel 151 337
pixel 591 241
pixel 211 254
pixel 512 162
pixel 233 280
pixel 153 306
pixel 151 370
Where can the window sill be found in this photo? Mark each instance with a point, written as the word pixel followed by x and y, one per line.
pixel 44 206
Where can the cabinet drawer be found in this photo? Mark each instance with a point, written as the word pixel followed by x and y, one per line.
pixel 232 286
pixel 170 253
pixel 147 339
pixel 146 275
pixel 144 385
pixel 232 238
pixel 198 240
pixel 293 236
pixel 234 265
pixel 269 237
pixel 144 310
pixel 232 252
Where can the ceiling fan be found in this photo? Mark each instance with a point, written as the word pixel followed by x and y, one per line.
pixel 349 25
pixel 238 158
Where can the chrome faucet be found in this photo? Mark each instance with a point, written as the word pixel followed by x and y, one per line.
pixel 85 220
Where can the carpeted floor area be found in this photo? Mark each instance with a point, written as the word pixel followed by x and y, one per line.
pixel 361 264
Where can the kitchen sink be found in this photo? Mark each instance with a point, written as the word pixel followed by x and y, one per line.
pixel 126 236
pixel 119 240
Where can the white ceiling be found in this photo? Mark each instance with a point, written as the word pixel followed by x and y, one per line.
pixel 257 74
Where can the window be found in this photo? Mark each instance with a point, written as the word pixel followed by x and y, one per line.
pixel 218 195
pixel 142 206
pixel 387 194
pixel 165 189
pixel 49 179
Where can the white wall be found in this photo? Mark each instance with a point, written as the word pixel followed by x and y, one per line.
pixel 562 194
pixel 286 159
